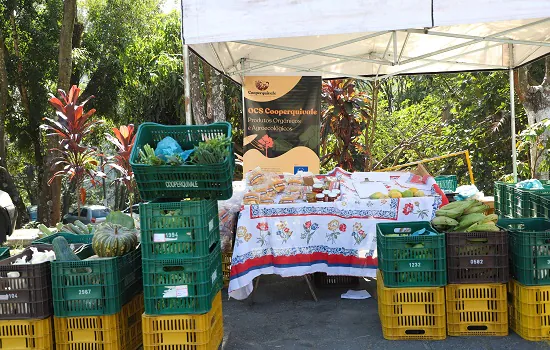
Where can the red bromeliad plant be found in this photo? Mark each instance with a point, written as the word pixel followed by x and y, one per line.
pixel 78 161
pixel 124 141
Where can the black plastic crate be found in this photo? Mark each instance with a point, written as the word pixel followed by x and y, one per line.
pixel 477 257
pixel 30 294
pixel 322 280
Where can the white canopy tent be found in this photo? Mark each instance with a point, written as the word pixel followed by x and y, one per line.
pixel 365 39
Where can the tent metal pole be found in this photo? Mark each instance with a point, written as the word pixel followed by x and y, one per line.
pixel 325 48
pixel 512 112
pixel 468 43
pixel 430 63
pixel 403 48
pixel 394 39
pixel 488 38
pixel 312 52
pixel 186 86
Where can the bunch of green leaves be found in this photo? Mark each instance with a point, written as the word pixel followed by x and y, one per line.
pixel 212 151
pixel 147 156
pixel 536 137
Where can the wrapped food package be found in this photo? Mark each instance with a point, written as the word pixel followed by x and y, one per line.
pixel 228 212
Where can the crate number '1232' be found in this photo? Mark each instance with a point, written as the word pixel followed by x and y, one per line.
pixel 414 264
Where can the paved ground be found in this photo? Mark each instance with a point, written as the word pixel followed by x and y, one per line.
pixel 285 317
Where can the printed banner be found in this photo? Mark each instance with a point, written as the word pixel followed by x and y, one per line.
pixel 282 123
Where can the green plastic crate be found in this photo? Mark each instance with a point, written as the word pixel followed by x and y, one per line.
pixel 529 249
pixel 182 286
pixel 70 237
pixel 214 181
pixel 505 199
pixel 404 263
pixel 501 198
pixel 525 201
pixel 179 230
pixel 95 287
pixel 447 183
pixel 4 253
pixel 543 207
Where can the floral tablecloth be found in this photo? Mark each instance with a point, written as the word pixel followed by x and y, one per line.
pixel 337 238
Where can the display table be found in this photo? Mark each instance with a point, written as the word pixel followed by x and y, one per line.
pixel 338 238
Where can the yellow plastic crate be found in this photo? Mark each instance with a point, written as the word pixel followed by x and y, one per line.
pixel 26 334
pixel 416 313
pixel 477 309
pixel 131 316
pixel 529 311
pixel 185 332
pixel 226 267
pixel 120 331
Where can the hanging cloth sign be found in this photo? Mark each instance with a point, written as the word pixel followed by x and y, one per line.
pixel 282 123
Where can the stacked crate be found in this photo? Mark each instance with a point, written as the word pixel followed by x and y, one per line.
pixel 411 276
pixel 529 289
pixel 180 236
pixel 447 183
pixel 25 304
pixel 97 302
pixel 477 271
pixel 512 202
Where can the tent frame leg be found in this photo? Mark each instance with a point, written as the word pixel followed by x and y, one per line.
pixel 513 113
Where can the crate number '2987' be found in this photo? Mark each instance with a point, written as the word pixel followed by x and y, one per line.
pixel 415 264
pixel 84 291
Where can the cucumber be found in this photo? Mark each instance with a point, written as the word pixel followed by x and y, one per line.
pixel 62 250
pixel 82 228
pixel 74 228
pixel 46 231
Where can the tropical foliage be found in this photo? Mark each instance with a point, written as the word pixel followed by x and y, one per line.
pixel 74 160
pixel 128 54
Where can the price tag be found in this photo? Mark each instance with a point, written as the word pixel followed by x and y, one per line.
pixel 182 291
pixel 159 237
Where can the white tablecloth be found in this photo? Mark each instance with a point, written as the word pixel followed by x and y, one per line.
pixel 338 238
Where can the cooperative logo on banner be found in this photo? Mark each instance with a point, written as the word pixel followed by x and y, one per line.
pixel 262 85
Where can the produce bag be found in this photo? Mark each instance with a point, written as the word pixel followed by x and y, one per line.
pixel 532 184
pixel 169 148
pixel 468 192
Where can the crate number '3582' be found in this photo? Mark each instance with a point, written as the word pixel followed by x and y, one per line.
pixel 476 261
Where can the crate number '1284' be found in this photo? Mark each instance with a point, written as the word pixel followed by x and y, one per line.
pixel 414 264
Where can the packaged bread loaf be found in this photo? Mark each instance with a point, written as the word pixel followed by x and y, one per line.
pixel 251 198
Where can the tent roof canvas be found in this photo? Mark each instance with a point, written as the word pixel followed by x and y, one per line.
pixel 365 39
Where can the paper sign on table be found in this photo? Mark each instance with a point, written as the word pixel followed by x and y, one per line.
pixel 371 176
pixel 365 189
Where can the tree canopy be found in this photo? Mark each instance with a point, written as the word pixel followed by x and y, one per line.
pixel 128 55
